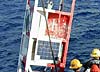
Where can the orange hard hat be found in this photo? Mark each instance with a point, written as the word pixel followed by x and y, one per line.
pixel 94 68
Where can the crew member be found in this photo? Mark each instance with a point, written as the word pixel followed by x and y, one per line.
pixel 95 54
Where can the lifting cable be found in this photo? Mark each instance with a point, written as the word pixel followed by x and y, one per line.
pixel 49 35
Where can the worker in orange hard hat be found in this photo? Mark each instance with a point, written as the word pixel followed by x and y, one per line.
pixel 94 68
pixel 95 54
pixel 75 65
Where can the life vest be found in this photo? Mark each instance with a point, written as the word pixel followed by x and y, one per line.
pixel 94 68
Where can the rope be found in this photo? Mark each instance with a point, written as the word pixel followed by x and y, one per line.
pixel 61 5
pixel 50 4
pixel 49 35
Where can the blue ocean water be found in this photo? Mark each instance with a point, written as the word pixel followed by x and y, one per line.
pixel 85 34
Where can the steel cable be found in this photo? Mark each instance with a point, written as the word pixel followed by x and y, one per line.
pixel 42 1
